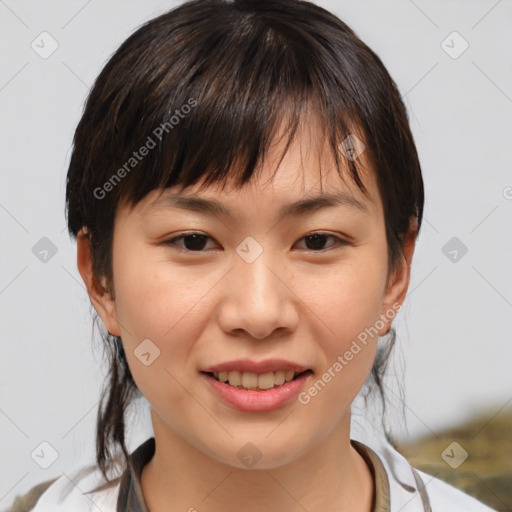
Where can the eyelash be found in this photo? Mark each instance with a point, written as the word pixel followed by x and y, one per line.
pixel 174 241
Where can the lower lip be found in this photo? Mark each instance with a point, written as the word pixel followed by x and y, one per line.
pixel 257 401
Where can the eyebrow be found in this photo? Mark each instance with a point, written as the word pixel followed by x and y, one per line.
pixel 296 209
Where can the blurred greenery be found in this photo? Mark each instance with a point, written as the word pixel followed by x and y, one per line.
pixel 486 474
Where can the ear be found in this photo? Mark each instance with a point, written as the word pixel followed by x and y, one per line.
pixel 100 297
pixel 398 281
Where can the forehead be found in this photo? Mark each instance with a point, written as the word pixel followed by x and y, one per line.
pixel 298 179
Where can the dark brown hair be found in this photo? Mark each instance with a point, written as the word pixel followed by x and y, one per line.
pixel 205 87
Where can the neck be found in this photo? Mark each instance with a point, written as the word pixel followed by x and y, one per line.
pixel 331 476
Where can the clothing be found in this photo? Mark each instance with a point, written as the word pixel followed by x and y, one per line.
pixel 129 487
pixel 398 487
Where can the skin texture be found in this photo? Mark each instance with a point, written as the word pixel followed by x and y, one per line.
pixel 295 302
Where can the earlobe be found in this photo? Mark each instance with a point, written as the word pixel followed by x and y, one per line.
pixel 100 297
pixel 398 283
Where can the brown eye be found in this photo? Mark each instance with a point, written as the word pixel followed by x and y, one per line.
pixel 192 242
pixel 316 241
pixel 196 242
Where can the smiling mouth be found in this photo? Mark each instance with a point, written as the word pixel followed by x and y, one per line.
pixel 255 381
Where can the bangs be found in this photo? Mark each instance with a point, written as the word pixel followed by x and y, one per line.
pixel 208 98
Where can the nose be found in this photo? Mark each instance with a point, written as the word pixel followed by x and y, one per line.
pixel 259 298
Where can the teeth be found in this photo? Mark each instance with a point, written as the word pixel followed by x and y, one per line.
pixel 250 380
pixel 266 381
pixel 280 378
pixel 289 375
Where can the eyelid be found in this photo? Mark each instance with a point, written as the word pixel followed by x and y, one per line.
pixel 339 241
pixel 173 241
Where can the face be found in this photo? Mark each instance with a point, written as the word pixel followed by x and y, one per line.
pixel 253 281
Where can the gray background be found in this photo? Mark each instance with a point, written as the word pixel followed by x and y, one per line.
pixel 454 331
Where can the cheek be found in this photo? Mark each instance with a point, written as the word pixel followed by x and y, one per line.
pixel 159 302
pixel 349 299
pixel 348 305
pixel 153 296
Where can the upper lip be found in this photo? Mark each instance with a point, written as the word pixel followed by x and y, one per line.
pixel 249 365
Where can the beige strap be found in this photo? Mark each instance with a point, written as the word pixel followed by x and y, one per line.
pixel 423 493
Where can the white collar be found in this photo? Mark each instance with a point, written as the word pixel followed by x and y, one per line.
pixel 406 488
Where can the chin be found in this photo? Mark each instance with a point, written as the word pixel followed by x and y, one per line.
pixel 258 451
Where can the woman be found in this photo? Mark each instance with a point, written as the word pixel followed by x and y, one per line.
pixel 219 146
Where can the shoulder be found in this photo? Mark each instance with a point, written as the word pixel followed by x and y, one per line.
pixel 444 496
pixel 83 490
pixel 412 490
